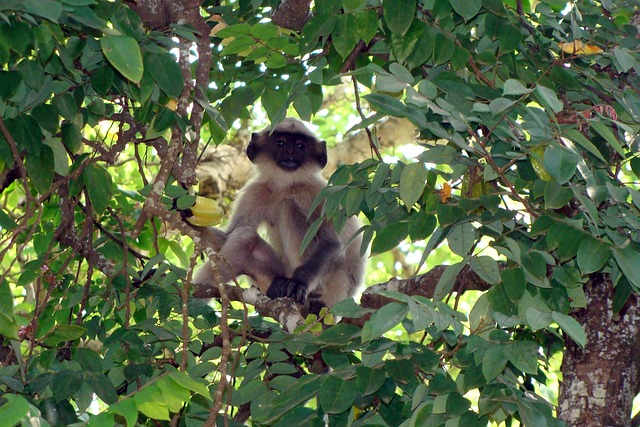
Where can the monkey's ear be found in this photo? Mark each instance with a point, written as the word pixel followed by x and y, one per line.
pixel 252 148
pixel 321 155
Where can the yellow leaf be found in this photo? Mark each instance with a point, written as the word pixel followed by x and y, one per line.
pixel 576 47
pixel 589 50
pixel 220 24
pixel 445 193
pixel 571 47
pixel 171 104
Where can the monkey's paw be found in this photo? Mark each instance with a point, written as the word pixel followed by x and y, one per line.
pixel 284 287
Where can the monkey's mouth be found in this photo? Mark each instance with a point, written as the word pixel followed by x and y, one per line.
pixel 289 164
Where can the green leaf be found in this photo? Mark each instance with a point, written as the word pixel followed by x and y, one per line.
pixel 607 134
pixel 98 183
pixel 336 395
pixel 79 2
pixel 384 320
pixel 71 137
pixel 47 9
pixel 486 267
pixel 443 49
pixel 549 98
pixel 101 386
pixel 344 37
pixel 509 38
pixel 577 137
pixel 150 402
pixel 389 237
pixel 593 254
pixel 422 52
pixel 62 333
pixel 175 396
pixel 523 355
pixel 412 182
pixel 529 415
pixel 60 159
pixel 14 409
pixel 447 280
pixel 47 116
pixel 26 133
pixel 160 123
pixel 128 409
pixel 124 54
pixel 101 420
pixel 166 73
pixel 462 238
pixel 41 169
pixel 556 196
pixel 65 384
pixel 366 24
pixel 466 8
pixel 191 384
pixel 235 30
pixel 386 104
pixel 456 404
pixel 624 58
pixel 9 83
pixel 538 319
pixel 514 282
pixel 6 221
pixel 571 327
pixel 398 15
pixel 421 225
pixel 560 162
pixel 369 380
pixel 403 46
pixel 66 106
pixel 498 105
pixel 628 259
pixel 85 15
pixel 304 389
pixel 514 87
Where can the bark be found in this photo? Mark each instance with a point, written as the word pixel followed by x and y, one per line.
pixel 292 14
pixel 601 380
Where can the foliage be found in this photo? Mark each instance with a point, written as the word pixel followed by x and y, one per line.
pixel 529 173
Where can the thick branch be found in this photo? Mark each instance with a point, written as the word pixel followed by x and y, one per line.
pixel 292 14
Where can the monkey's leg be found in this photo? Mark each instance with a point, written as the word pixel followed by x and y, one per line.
pixel 247 253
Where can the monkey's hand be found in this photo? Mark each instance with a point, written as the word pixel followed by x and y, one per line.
pixel 284 287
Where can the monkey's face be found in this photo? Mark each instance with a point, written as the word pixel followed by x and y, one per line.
pixel 289 151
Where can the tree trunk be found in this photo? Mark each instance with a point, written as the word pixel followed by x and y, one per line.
pixel 601 380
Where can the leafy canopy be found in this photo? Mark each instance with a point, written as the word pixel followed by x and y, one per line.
pixel 529 174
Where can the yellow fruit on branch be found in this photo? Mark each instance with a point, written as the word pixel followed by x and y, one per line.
pixel 204 212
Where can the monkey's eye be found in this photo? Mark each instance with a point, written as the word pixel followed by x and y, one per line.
pixel 299 146
pixel 280 142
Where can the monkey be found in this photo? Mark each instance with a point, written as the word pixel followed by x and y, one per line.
pixel 287 164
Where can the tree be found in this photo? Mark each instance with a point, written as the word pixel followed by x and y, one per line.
pixel 528 115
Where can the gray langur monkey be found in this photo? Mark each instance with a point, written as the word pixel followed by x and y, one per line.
pixel 287 163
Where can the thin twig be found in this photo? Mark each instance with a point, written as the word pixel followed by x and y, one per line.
pixel 372 143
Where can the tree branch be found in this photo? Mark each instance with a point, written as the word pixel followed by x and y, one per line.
pixel 292 14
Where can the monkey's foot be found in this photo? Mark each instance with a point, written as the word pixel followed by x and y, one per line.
pixel 283 287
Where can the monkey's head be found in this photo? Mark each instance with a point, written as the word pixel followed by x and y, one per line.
pixel 290 146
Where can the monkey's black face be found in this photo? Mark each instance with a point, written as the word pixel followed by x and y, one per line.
pixel 289 151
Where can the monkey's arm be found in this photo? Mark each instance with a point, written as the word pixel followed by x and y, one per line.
pixel 212 237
